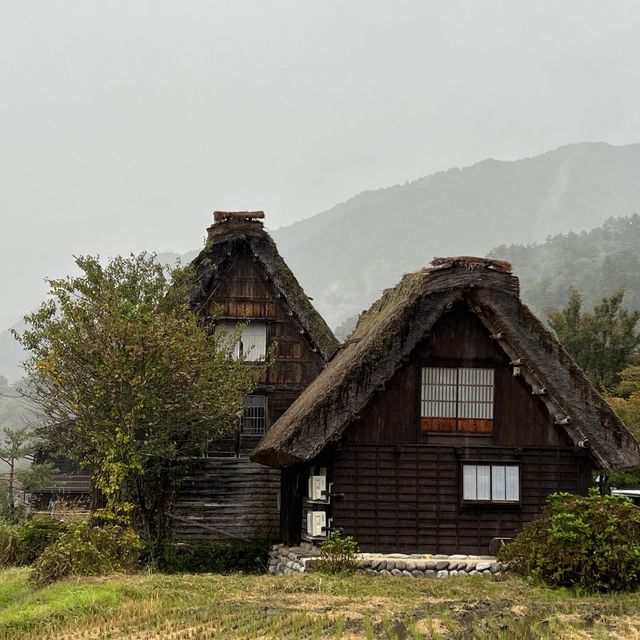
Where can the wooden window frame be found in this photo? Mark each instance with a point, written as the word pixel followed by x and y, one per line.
pixel 458 425
pixel 468 502
pixel 253 431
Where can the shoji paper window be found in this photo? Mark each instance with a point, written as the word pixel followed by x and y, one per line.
pixel 490 483
pixel 253 340
pixel 457 399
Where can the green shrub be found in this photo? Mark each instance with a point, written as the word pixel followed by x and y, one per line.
pixel 83 550
pixel 592 543
pixel 217 557
pixel 37 534
pixel 338 555
pixel 22 543
pixel 10 544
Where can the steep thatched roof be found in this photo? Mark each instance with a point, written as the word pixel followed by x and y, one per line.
pixel 237 233
pixel 389 331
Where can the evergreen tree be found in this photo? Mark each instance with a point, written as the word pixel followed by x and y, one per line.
pixel 603 342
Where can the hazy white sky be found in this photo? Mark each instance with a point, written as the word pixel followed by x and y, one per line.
pixel 123 124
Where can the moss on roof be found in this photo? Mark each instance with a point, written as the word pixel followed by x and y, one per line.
pixel 229 237
pixel 389 331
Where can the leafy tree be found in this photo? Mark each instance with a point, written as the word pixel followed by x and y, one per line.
pixel 626 403
pixel 131 382
pixel 16 445
pixel 625 398
pixel 603 342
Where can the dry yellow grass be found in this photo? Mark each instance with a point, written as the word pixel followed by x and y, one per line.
pixel 181 607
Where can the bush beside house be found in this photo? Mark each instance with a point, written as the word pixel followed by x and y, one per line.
pixel 592 543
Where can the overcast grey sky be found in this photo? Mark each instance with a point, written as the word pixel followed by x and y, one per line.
pixel 123 124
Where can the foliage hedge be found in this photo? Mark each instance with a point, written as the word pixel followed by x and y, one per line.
pixel 37 534
pixel 217 557
pixel 22 543
pixel 83 550
pixel 592 543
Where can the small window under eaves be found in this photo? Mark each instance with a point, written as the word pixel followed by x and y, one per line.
pixel 253 340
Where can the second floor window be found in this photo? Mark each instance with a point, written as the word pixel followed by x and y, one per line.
pixel 457 399
pixel 253 340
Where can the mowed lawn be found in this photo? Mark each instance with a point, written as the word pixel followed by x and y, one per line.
pixel 158 606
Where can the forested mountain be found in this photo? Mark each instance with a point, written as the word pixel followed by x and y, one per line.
pixel 595 263
pixel 346 256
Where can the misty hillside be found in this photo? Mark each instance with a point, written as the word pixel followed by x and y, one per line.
pixel 596 263
pixel 11 354
pixel 14 410
pixel 346 256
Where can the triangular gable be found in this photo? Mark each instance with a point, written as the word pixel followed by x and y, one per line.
pixel 231 238
pixel 388 333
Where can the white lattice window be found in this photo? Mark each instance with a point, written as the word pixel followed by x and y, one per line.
pixel 457 399
pixel 254 416
pixel 490 483
pixel 253 340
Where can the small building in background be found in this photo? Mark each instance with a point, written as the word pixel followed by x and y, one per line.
pixel 443 423
pixel 241 278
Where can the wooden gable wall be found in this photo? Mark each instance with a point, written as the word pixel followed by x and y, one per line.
pixel 245 294
pixel 226 495
pixel 399 489
pixel 460 339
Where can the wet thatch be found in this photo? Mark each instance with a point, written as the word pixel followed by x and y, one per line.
pixel 389 331
pixel 238 233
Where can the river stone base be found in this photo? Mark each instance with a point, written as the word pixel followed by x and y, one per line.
pixel 289 560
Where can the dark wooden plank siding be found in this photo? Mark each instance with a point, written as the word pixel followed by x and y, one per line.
pixel 401 487
pixel 245 294
pixel 407 498
pixel 230 498
pixel 458 339
pixel 227 495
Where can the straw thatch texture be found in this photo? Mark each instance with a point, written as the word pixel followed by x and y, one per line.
pixel 389 331
pixel 232 236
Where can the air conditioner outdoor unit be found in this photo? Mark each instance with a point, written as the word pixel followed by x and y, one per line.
pixel 317 487
pixel 316 523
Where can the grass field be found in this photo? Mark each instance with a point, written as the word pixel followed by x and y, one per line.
pixel 312 606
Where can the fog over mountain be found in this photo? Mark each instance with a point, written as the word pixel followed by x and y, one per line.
pixel 347 255
pixel 595 263
pixel 344 257
pixel 11 354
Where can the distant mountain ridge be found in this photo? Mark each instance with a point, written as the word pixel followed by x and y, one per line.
pixel 347 255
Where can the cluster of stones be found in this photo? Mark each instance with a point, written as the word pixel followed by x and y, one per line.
pixel 437 566
pixel 290 560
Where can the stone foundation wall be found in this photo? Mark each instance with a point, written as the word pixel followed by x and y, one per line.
pixel 289 560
